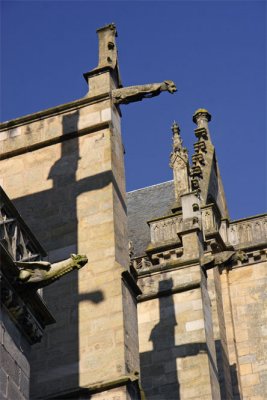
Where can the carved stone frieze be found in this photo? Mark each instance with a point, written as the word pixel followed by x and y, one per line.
pixel 248 231
pixel 165 229
pixel 210 218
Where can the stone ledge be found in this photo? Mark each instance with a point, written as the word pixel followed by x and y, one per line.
pixel 97 388
pixel 184 287
pixel 169 266
pixel 73 105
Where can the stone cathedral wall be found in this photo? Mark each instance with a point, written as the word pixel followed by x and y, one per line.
pixel 177 352
pixel 245 307
pixel 63 169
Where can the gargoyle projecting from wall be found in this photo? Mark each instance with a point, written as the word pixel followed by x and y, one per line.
pixel 38 274
pixel 137 93
pixel 222 258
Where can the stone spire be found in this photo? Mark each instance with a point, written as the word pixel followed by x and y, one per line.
pixel 204 174
pixel 180 165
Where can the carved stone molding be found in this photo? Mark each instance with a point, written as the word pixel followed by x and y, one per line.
pixel 19 312
pixel 15 236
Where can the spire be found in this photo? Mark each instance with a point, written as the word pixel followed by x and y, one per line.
pixel 177 140
pixel 180 165
pixel 202 118
pixel 204 174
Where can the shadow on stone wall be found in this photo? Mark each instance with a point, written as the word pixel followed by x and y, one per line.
pixel 52 216
pixel 159 372
pixel 234 380
pixel 227 374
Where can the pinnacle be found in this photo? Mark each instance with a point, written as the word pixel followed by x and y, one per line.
pixel 201 113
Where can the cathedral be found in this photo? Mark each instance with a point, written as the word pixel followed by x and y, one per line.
pixel 105 295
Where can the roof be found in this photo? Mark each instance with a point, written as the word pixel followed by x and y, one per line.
pixel 143 205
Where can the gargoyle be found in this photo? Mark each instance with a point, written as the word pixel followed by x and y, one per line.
pixel 38 274
pixel 224 257
pixel 131 94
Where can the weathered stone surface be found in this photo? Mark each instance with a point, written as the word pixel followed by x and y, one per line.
pixel 200 315
pixel 130 94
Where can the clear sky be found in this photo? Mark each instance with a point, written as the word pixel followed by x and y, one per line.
pixel 215 51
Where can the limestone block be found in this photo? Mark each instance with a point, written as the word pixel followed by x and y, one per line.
pixel 195 325
pixel 250 379
pixel 245 369
pixel 89 119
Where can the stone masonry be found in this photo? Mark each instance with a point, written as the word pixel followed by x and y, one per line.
pixel 172 303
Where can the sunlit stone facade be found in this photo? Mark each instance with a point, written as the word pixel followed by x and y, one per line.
pixel 171 303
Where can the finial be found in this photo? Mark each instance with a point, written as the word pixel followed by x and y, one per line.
pixel 177 140
pixel 179 164
pixel 175 128
pixel 201 117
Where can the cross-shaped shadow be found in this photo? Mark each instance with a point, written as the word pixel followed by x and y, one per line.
pixel 52 216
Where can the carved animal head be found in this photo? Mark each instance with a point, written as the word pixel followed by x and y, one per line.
pixel 170 86
pixel 240 256
pixel 79 260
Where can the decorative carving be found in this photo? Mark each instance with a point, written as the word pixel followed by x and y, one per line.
pixel 200 147
pixel 222 258
pixel 38 274
pixel 179 163
pixel 142 264
pixel 14 234
pixel 165 229
pixel 242 232
pixel 131 94
pixel 20 314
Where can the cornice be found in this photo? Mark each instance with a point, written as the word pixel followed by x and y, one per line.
pixel 53 111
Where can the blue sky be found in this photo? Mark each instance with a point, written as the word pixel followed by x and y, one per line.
pixel 215 51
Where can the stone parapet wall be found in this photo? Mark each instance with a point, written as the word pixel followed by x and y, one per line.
pixel 248 231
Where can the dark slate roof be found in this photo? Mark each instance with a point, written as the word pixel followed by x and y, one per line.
pixel 143 205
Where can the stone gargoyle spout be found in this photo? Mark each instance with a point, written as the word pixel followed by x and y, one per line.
pixel 38 274
pixel 222 258
pixel 131 94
